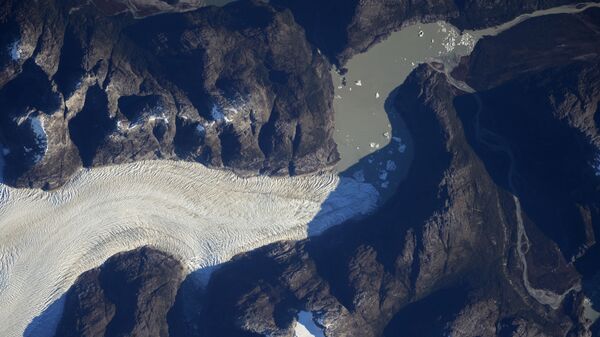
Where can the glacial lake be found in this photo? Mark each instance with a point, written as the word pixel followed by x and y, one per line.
pixel 372 139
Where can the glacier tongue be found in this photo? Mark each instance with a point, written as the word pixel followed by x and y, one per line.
pixel 199 215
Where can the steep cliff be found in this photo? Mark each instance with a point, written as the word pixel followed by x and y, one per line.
pixel 236 87
pixel 129 295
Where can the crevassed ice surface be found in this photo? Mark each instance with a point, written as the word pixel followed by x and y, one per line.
pixel 199 215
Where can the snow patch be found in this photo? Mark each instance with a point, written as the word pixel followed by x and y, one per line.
pixel 156 113
pixel 200 129
pixel 228 110
pixel 149 114
pixel 15 50
pixel 306 326
pixel 37 126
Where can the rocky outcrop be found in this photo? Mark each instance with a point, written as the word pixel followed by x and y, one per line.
pixel 344 28
pixel 143 8
pixel 461 248
pixel 237 87
pixel 447 236
pixel 129 295
pixel 550 126
pixel 490 234
pixel 441 257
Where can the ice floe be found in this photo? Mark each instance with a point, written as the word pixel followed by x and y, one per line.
pixel 390 165
pixel 401 146
pixel 383 174
pixel 596 165
pixel 217 113
pixel 454 38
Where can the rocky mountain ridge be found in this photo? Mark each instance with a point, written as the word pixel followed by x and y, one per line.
pixel 236 87
pixel 462 248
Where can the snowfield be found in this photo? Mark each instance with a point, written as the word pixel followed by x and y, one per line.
pixel 199 215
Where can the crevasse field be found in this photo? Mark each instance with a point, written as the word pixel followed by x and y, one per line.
pixel 199 215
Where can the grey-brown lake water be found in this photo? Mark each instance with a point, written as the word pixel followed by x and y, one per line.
pixel 373 142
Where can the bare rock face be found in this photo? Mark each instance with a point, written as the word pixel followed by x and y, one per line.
pixel 237 87
pixel 343 28
pixel 492 233
pixel 462 248
pixel 561 39
pixel 129 295
pixel 551 127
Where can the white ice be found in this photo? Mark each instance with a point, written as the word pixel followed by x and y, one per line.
pixel 15 50
pixel 306 327
pixel 200 129
pixel 383 175
pixel 37 126
pixel 217 113
pixel 202 216
pixel 359 176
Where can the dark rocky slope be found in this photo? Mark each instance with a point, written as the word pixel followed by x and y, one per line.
pixel 236 87
pixel 129 295
pixel 343 28
pixel 453 252
pixel 550 124
pixel 439 258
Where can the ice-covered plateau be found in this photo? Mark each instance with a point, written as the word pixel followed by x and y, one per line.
pixel 201 216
